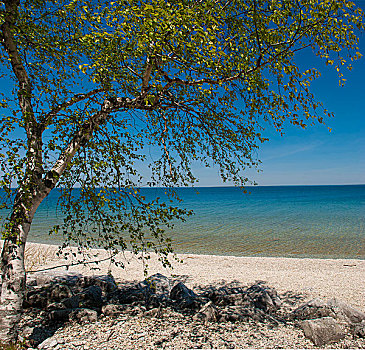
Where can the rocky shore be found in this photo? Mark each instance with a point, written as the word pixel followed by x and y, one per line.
pixel 80 309
pixel 71 311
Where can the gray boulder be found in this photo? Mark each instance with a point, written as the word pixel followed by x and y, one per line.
pixel 91 297
pixel 263 298
pixel 61 315
pixel 47 277
pixel 156 284
pixel 112 309
pixel 208 313
pixel 106 283
pixel 226 296
pixel 322 331
pixel 345 312
pixel 49 343
pixel 83 315
pixel 185 297
pixel 234 313
pixel 58 292
pixel 155 290
pixel 36 298
pixel 315 308
pixel 334 308
pixel 359 329
pixel 71 303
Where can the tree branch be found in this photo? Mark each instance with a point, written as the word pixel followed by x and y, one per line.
pixel 75 99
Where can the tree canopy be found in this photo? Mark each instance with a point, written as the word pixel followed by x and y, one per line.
pixel 96 83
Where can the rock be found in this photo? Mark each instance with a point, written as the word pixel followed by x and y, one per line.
pixel 238 313
pixel 263 298
pixel 71 303
pixel 345 312
pixel 91 297
pixel 359 329
pixel 105 282
pixel 32 335
pixel 157 284
pixel 112 309
pixel 83 315
pixel 49 343
pixel 315 308
pixel 208 313
pixel 36 298
pixel 185 297
pixel 226 296
pixel 56 306
pixel 59 292
pixel 130 295
pixel 231 313
pixel 47 277
pixel 155 312
pixel 322 331
pixel 60 315
pixel 155 289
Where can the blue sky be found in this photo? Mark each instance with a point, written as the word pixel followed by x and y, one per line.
pixel 316 156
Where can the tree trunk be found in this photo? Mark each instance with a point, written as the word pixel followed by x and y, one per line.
pixel 13 275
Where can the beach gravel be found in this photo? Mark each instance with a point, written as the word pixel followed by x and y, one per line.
pixel 296 281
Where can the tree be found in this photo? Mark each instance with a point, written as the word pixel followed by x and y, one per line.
pixel 96 83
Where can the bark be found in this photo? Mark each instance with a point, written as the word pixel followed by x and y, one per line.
pixel 12 265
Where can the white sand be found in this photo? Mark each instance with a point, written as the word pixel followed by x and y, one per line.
pixel 325 278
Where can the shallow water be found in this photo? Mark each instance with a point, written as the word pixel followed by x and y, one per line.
pixel 290 221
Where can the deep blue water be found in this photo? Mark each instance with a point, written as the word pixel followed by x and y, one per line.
pixel 291 221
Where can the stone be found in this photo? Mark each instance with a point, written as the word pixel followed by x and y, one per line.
pixel 263 298
pixel 156 284
pixel 105 282
pixel 322 331
pixel 47 277
pixel 208 313
pixel 36 298
pixel 345 312
pixel 112 309
pixel 91 297
pixel 155 289
pixel 185 297
pixel 334 308
pixel 315 308
pixel 226 296
pixel 49 343
pixel 359 329
pixel 60 315
pixel 59 292
pixel 130 296
pixel 55 306
pixel 83 316
pixel 34 334
pixel 236 313
pixel 155 312
pixel 71 303
pixel 231 313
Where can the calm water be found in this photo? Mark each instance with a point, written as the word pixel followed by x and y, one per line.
pixel 291 221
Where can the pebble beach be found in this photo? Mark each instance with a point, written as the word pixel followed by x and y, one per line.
pixel 299 280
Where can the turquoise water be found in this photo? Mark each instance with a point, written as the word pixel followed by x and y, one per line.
pixel 290 221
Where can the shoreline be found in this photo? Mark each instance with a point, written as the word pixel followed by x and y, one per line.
pixel 342 279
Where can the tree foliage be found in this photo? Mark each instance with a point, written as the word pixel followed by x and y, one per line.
pixel 98 83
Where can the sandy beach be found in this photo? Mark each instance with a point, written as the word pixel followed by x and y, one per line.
pixel 343 279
